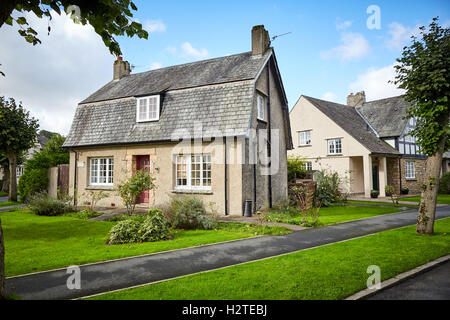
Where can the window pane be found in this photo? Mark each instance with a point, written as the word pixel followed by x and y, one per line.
pixel 143 109
pixel 338 146
pixel 153 108
pixel 206 170
pixel 181 171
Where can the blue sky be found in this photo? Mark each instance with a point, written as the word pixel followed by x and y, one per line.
pixel 308 63
pixel 330 52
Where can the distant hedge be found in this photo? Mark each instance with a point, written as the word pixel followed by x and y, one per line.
pixel 444 183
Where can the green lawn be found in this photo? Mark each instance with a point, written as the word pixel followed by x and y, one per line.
pixel 36 243
pixel 329 272
pixel 331 215
pixel 442 199
pixel 8 203
pixel 3 194
pixel 381 203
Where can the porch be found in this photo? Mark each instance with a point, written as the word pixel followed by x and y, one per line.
pixel 367 173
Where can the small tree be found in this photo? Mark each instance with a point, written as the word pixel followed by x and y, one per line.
pixel 131 189
pixel 18 132
pixel 296 167
pixel 423 71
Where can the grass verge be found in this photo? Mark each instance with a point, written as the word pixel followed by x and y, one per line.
pixel 34 243
pixel 330 272
pixel 442 199
pixel 332 215
pixel 381 203
pixel 3 194
pixel 8 203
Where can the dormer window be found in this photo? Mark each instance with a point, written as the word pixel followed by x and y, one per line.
pixel 147 109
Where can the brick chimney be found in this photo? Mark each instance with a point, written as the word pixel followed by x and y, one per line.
pixel 357 99
pixel 121 68
pixel 260 40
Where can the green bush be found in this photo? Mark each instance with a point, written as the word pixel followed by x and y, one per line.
pixel 31 182
pixel 42 204
pixel 296 169
pixel 153 228
pixel 328 192
pixel 189 213
pixel 444 183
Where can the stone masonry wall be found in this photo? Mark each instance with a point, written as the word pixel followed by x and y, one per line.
pixel 393 174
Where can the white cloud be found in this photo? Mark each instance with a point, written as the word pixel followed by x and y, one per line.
pixel 189 50
pixel 155 65
pixel 53 77
pixel 342 25
pixel 399 35
pixel 155 26
pixel 329 96
pixel 354 46
pixel 375 82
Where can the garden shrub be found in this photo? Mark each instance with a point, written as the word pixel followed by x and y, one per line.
pixel 444 183
pixel 32 181
pixel 42 204
pixel 153 228
pixel 296 169
pixel 189 213
pixel 328 192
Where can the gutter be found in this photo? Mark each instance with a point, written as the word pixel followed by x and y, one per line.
pixel 75 178
pixel 367 122
pixel 226 176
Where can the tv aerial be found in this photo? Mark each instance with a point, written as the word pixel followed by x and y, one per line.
pixel 280 35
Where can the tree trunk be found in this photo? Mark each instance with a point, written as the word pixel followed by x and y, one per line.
pixel 5 184
pixel 6 8
pixel 2 266
pixel 12 157
pixel 430 188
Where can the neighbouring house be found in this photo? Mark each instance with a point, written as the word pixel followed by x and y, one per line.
pixel 367 143
pixel 207 128
pixel 40 143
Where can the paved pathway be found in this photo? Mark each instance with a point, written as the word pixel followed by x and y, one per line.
pixel 102 277
pixel 431 285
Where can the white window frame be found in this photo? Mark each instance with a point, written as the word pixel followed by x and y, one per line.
pixel 333 143
pixel 307 165
pixel 261 107
pixel 410 173
pixel 109 171
pixel 188 163
pixel 306 137
pixel 147 109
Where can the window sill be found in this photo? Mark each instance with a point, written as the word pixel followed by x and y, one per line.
pixel 104 188
pixel 336 155
pixel 305 145
pixel 192 191
pixel 261 120
pixel 411 179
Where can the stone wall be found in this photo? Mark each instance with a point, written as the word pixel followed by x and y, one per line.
pixel 414 185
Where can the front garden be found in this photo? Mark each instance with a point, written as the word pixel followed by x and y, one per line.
pixel 332 272
pixel 37 243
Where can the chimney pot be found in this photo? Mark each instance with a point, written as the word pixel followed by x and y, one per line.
pixel 121 68
pixel 260 40
pixel 357 99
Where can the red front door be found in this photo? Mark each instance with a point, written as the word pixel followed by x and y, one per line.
pixel 143 163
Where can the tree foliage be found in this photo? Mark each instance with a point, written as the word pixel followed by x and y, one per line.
pixel 424 72
pixel 18 130
pixel 108 18
pixel 296 167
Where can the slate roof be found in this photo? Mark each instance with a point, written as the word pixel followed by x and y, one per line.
pixel 386 115
pixel 231 68
pixel 218 93
pixel 225 107
pixel 348 119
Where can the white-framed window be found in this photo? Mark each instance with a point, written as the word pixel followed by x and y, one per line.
pixel 147 109
pixel 304 138
pixel 19 170
pixel 193 171
pixel 101 171
pixel 307 166
pixel 261 103
pixel 335 146
pixel 410 170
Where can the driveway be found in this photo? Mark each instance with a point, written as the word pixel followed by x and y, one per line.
pixel 431 285
pixel 120 274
